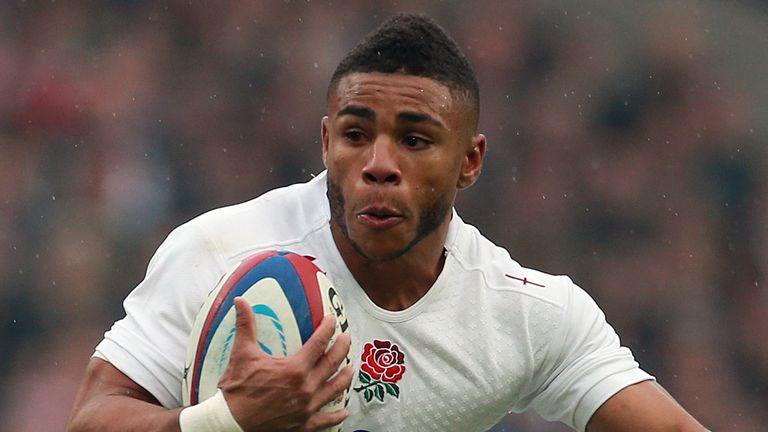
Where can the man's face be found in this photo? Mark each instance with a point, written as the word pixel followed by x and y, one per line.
pixel 397 148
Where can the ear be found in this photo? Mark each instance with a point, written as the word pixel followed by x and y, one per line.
pixel 472 163
pixel 324 133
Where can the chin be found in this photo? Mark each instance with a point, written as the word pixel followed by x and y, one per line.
pixel 378 252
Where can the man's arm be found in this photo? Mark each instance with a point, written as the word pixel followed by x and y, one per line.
pixel 109 399
pixel 262 392
pixel 644 406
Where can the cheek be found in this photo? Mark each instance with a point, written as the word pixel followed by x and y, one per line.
pixel 439 190
pixel 436 179
pixel 342 159
pixel 338 165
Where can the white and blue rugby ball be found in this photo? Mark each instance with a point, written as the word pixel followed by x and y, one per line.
pixel 289 296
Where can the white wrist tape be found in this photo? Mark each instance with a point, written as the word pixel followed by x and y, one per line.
pixel 211 415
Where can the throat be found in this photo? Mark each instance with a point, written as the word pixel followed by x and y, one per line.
pixel 396 286
pixel 398 282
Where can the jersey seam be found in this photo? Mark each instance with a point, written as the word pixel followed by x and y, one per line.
pixel 460 260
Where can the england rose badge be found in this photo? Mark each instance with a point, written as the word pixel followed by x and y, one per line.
pixel 382 366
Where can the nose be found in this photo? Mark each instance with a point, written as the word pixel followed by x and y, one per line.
pixel 382 166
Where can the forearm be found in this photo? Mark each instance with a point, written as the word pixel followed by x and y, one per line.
pixel 123 413
pixel 110 401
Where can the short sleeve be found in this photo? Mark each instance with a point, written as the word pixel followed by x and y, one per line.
pixel 149 344
pixel 586 365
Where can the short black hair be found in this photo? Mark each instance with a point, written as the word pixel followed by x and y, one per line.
pixel 412 44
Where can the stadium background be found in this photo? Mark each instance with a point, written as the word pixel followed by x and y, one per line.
pixel 627 149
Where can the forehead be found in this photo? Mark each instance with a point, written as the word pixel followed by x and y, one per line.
pixel 380 91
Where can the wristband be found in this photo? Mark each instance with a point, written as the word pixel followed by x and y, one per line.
pixel 211 415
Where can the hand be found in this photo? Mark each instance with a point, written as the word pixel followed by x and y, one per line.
pixel 281 394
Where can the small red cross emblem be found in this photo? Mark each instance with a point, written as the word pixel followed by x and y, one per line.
pixel 524 280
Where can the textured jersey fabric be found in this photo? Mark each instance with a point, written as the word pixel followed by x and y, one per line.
pixel 488 338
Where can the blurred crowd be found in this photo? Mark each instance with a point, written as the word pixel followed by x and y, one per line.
pixel 624 151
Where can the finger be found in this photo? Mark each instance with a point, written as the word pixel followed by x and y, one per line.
pixel 329 363
pixel 318 342
pixel 245 325
pixel 334 388
pixel 323 420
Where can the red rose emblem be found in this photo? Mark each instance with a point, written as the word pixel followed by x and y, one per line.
pixel 383 360
pixel 383 364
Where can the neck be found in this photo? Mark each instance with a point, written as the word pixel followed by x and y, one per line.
pixel 398 283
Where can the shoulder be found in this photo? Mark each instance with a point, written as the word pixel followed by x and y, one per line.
pixel 502 274
pixel 282 216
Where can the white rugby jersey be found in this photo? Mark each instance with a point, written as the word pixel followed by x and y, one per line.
pixel 488 338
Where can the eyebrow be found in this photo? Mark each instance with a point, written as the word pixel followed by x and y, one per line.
pixel 414 117
pixel 357 111
pixel 406 116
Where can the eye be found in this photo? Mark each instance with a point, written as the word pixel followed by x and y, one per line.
pixel 416 142
pixel 354 136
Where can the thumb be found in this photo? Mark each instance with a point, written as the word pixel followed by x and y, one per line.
pixel 245 324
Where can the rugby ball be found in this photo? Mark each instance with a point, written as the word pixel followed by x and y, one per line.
pixel 289 296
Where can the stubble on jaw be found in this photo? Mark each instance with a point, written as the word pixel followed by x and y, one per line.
pixel 430 218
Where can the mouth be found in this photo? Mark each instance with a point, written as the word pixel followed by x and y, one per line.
pixel 379 218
